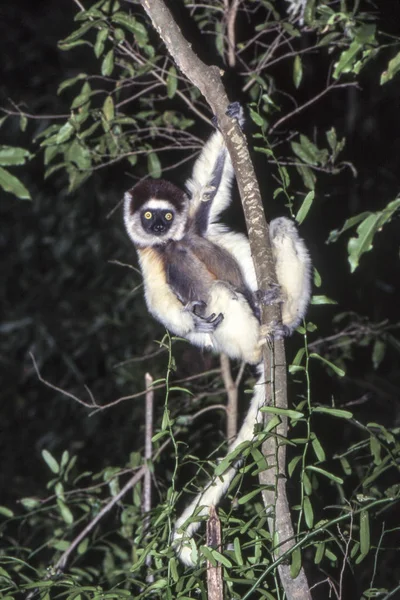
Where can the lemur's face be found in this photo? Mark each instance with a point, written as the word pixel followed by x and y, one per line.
pixel 155 219
pixel 155 212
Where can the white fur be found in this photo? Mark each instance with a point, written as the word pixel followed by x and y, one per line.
pixel 197 185
pixel 160 299
pixel 293 270
pixel 217 488
pixel 238 334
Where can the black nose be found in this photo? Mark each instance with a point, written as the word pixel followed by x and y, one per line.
pixel 158 227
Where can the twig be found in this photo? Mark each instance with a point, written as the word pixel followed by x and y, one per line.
pixel 232 401
pixel 91 404
pixel 310 102
pixel 231 14
pixel 62 561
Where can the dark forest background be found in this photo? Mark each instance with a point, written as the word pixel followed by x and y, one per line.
pixel 70 301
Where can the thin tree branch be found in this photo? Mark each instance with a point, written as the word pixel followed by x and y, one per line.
pixel 148 449
pixel 232 401
pixel 310 102
pixel 231 15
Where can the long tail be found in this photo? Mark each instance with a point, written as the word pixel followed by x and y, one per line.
pixel 217 488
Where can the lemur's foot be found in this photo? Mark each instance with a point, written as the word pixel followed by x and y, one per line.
pixel 235 111
pixel 202 323
pixel 270 296
pixel 272 331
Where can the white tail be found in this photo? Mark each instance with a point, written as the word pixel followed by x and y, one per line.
pixel 217 488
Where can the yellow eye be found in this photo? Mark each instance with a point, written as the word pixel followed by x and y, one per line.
pixel 168 216
pixel 147 215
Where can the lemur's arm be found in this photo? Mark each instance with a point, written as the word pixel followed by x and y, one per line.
pixel 210 184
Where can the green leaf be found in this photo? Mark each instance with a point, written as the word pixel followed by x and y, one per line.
pixel 335 233
pixel 256 118
pixel 6 512
pixel 68 82
pixel 318 449
pixel 306 150
pixel 154 165
pixel 76 35
pixel 293 464
pixel 345 465
pixel 309 12
pixel 307 176
pixel 11 155
pixel 100 42
pixel 30 503
pixel 391 70
pixel 132 24
pixel 295 564
pixel 248 497
pixel 378 353
pixel 291 414
pixel 297 71
pixel 64 133
pixel 79 155
pixel 366 231
pixel 64 459
pixel 329 364
pixel 11 184
pixel 238 551
pixel 305 207
pixel 108 108
pixel 334 412
pixel 376 449
pixel 50 461
pixel 321 299
pixel 172 82
pixel 308 512
pixel 320 551
pixel 23 122
pixel 330 476
pixel 214 556
pixel 75 38
pixel 65 512
pixel 107 65
pixel 83 546
pixel 83 96
pixel 347 59
pixel 365 541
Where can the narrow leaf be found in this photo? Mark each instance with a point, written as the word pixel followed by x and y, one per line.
pixel 11 184
pixel 297 71
pixel 325 474
pixel 334 412
pixel 107 65
pixel 295 564
pixel 6 512
pixel 108 108
pixel 154 165
pixel 50 461
pixel 305 207
pixel 172 82
pixel 308 512
pixel 364 533
pixel 329 364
